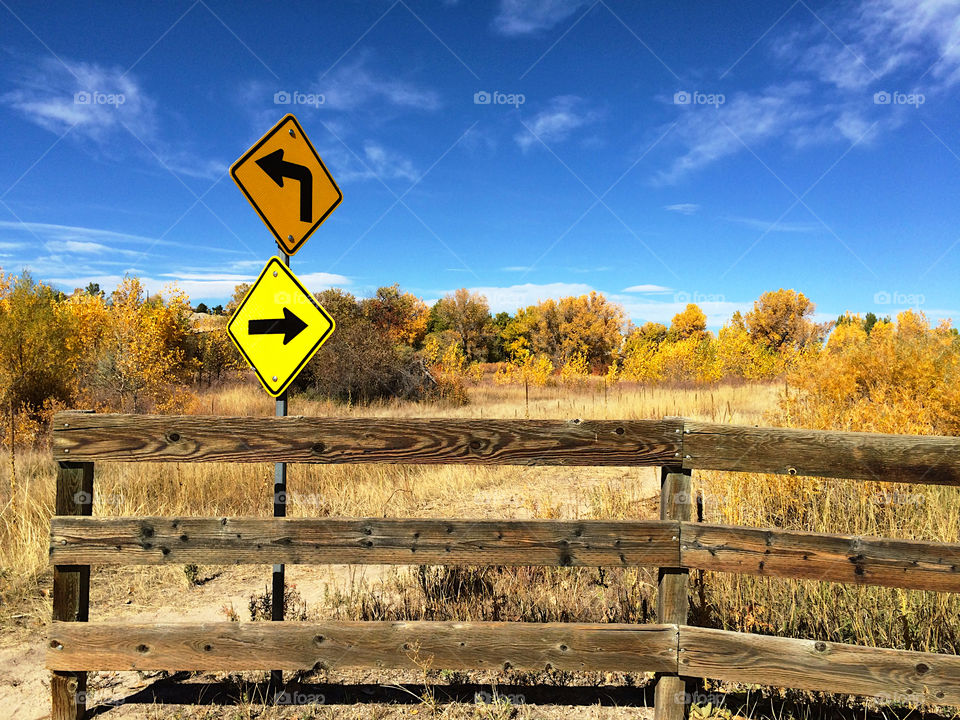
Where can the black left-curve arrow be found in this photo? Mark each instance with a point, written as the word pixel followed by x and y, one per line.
pixel 289 326
pixel 277 168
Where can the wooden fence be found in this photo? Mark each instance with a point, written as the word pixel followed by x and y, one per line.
pixel 674 650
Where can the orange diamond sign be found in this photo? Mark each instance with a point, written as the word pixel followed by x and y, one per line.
pixel 287 184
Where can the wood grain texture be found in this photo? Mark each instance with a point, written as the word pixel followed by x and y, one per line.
pixel 910 564
pixel 676 504
pixel 409 645
pixel 71 588
pixel 931 460
pixel 162 438
pixel 894 675
pixel 221 541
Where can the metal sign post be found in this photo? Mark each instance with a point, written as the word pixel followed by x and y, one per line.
pixel 279 325
pixel 279 510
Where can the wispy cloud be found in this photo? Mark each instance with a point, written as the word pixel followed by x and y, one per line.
pixel 647 289
pixel 87 237
pixel 769 226
pixel 683 208
pixel 197 284
pixel 563 115
pixel 102 106
pixel 878 39
pixel 509 298
pixel 93 99
pixel 356 84
pixel 709 134
pixel 525 17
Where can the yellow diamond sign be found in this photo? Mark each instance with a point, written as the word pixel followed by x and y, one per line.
pixel 287 183
pixel 279 326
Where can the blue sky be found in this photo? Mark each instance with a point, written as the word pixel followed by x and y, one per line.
pixel 659 153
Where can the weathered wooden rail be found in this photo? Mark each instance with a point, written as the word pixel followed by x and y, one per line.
pixel 674 544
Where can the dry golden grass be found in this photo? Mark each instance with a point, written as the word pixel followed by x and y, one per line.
pixel 872 616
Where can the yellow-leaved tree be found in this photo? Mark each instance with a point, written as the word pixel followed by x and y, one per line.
pixel 142 359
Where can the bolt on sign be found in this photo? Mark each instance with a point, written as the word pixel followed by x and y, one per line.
pixel 279 326
pixel 287 183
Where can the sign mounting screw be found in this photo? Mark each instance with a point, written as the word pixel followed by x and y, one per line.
pixel 274 378
pixel 291 132
pixel 274 273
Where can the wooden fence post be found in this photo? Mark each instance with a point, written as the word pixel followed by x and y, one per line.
pixel 676 503
pixel 71 588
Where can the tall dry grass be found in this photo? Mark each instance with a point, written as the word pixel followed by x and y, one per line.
pixel 375 490
pixel 872 616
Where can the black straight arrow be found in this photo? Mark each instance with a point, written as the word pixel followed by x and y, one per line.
pixel 289 326
pixel 277 168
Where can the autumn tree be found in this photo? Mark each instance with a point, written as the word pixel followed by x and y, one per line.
pixel 691 323
pixel 588 325
pixel 239 293
pixel 143 357
pixel 782 321
pixel 402 316
pixel 468 315
pixel 38 348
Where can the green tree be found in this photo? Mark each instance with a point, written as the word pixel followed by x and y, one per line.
pixel 468 315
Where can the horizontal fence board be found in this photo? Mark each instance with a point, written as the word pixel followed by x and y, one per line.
pixel 222 541
pixel 195 438
pixel 932 460
pixel 910 564
pixel 228 646
pixel 894 675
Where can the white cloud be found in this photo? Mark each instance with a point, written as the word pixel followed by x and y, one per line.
pixel 563 115
pixel 683 208
pixel 711 133
pixel 508 299
pixel 198 285
pixel 388 164
pixel 524 17
pixel 718 312
pixel 647 289
pixel 768 226
pixel 880 38
pixel 53 233
pixel 91 98
pixel 353 85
